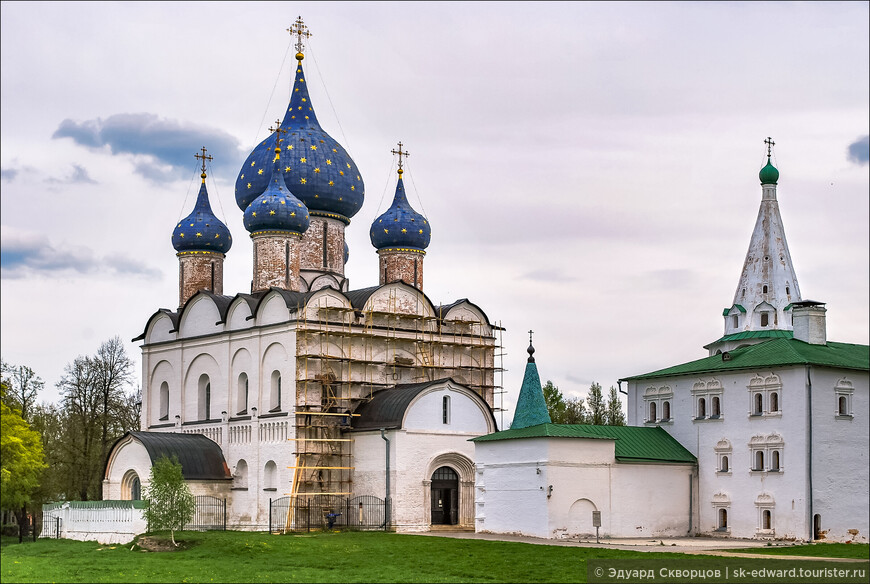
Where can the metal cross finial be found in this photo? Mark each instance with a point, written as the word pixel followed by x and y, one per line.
pixel 277 128
pixel 203 157
pixel 300 30
pixel 769 143
pixel 530 336
pixel 400 153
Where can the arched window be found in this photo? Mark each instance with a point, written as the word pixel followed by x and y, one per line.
pixel 764 289
pixel 164 401
pixel 666 410
pixel 131 487
pixel 723 518
pixel 765 519
pixel 724 464
pixel 735 322
pixel 242 394
pixel 764 319
pixel 715 407
pixel 652 411
pixel 774 402
pixel 445 409
pixel 774 460
pixel 240 477
pixel 702 407
pixel 136 490
pixel 275 401
pixel 759 460
pixel 204 402
pixel 759 405
pixel 270 476
pixel 842 406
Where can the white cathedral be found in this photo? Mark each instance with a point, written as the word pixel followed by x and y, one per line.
pixel 307 391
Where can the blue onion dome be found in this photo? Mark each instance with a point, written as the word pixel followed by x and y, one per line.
pixel 201 230
pixel 346 252
pixel 276 209
pixel 317 168
pixel 769 174
pixel 400 226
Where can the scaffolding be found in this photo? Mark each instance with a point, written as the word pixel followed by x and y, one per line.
pixel 344 356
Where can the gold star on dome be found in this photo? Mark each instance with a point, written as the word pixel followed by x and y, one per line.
pixel 217 235
pixel 328 162
pixel 290 147
pixel 249 185
pixel 302 159
pixel 306 117
pixel 242 177
pixel 334 150
pixel 331 183
pixel 199 234
pixel 272 212
pixel 253 162
pixel 348 164
pixel 181 235
pixel 191 224
pixel 253 213
pixel 386 230
pixel 313 147
pixel 303 99
pixel 358 178
pixel 421 232
pixel 260 171
pixel 352 187
pixel 292 213
pixel 300 107
pixel 341 198
pixel 179 225
pixel 297 89
pixel 302 180
pixel 317 170
pixel 282 201
pixel 286 169
pixel 341 172
pixel 404 230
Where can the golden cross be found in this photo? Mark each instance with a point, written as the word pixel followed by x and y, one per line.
pixel 769 143
pixel 300 30
pixel 400 153
pixel 277 128
pixel 203 157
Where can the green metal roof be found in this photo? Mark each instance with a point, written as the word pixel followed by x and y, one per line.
pixel 633 443
pixel 737 306
pixel 774 353
pixel 771 334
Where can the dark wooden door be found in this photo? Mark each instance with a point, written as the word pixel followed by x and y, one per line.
pixel 445 497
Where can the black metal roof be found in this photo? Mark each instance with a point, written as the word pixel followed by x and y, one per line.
pixel 386 410
pixel 201 458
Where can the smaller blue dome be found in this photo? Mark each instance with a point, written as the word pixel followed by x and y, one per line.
pixel 277 209
pixel 255 173
pixel 201 230
pixel 400 226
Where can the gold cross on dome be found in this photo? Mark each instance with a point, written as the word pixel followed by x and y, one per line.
pixel 300 30
pixel 277 128
pixel 203 157
pixel 400 153
pixel 769 143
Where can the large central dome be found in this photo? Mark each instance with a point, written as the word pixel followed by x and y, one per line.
pixel 316 168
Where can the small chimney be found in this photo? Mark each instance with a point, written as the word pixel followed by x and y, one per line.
pixel 808 321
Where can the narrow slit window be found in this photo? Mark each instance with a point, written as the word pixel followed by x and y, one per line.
pixel 652 411
pixel 764 319
pixel 445 409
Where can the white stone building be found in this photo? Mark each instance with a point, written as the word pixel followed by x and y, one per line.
pixel 289 380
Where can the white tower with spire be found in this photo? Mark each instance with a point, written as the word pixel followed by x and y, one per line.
pixel 768 286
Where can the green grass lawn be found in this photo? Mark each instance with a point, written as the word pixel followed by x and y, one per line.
pixel 323 557
pixel 818 550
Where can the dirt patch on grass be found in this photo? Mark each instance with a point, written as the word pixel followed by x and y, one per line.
pixel 150 543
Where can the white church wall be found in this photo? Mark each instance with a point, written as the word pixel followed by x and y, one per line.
pixel 272 310
pixel 130 456
pixel 652 500
pixel 839 454
pixel 239 316
pixel 464 414
pixel 160 330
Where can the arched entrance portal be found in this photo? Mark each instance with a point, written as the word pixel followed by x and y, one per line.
pixel 445 496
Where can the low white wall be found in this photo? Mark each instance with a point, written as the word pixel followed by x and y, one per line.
pixel 107 522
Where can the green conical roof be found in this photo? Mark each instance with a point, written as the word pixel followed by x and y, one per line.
pixel 769 174
pixel 531 406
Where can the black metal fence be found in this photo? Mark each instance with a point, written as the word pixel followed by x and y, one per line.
pixel 211 514
pixel 364 512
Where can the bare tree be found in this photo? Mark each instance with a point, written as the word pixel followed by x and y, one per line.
pixel 112 369
pixel 23 385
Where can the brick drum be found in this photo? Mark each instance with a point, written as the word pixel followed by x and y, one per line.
pixel 313 257
pixel 276 261
pixel 401 264
pixel 198 270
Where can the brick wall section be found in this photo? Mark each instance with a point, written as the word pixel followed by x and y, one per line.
pixel 271 266
pixel 312 257
pixel 198 270
pixel 397 264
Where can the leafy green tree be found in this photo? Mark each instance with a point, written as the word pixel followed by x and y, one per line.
pixel 555 402
pixel 575 411
pixel 170 502
pixel 21 461
pixel 615 417
pixel 597 407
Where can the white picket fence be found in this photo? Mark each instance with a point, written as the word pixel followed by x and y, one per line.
pixel 108 522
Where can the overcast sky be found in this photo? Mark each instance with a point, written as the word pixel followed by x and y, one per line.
pixel 590 170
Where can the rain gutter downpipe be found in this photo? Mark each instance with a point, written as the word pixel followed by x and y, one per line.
pixel 387 490
pixel 811 520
